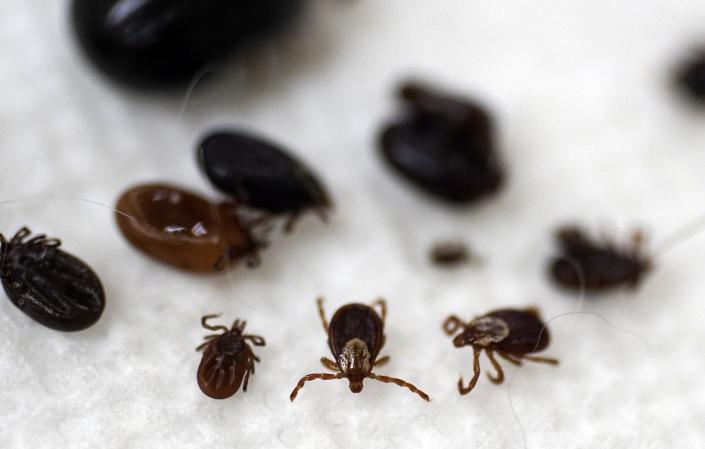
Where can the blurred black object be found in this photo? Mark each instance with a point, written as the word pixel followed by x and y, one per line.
pixel 690 76
pixel 444 144
pixel 165 43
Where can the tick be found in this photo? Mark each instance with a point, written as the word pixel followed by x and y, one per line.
pixel 355 337
pixel 52 287
pixel 262 175
pixel 597 266
pixel 228 360
pixel 183 229
pixel 444 144
pixel 163 43
pixel 450 254
pixel 690 76
pixel 512 334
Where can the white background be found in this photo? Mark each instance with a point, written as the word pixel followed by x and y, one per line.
pixel 589 127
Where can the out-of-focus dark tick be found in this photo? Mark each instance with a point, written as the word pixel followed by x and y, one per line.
pixel 185 230
pixel 450 254
pixel 52 287
pixel 228 359
pixel 443 144
pixel 261 175
pixel 597 266
pixel 690 76
pixel 355 337
pixel 163 43
pixel 510 333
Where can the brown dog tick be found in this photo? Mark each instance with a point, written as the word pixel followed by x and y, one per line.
pixel 355 337
pixel 227 360
pixel 597 267
pixel 185 230
pixel 511 333
pixel 443 144
pixel 52 287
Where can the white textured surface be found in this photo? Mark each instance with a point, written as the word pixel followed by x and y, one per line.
pixel 589 129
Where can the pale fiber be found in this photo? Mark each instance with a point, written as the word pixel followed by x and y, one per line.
pixel 590 131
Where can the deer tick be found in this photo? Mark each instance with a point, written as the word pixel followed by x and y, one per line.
pixel 511 333
pixel 228 359
pixel 52 287
pixel 355 337
pixel 597 266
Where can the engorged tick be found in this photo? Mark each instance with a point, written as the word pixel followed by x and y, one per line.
pixel 355 337
pixel 597 266
pixel 443 144
pixel 511 333
pixel 52 287
pixel 261 175
pixel 185 230
pixel 227 360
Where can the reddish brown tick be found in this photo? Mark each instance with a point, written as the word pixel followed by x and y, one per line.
pixel 511 333
pixel 355 337
pixel 227 360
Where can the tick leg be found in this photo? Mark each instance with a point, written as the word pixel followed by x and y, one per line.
pixel 548 360
pixel 204 323
pixel 331 365
pixel 476 375
pixel 509 358
pixel 20 235
pixel 322 313
pixel 310 377
pixel 291 222
pixel 500 373
pixel 382 361
pixel 401 383
pixel 247 376
pixel 255 339
pixel 452 324
pixel 382 307
pixel 208 339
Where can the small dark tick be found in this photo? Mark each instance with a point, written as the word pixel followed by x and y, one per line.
pixel 355 337
pixel 511 333
pixel 185 230
pixel 261 175
pixel 597 266
pixel 443 144
pixel 228 359
pixel 52 287
pixel 690 76
pixel 450 254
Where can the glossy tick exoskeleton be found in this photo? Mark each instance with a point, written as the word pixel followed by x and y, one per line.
pixel 162 43
pixel 52 287
pixel 355 337
pixel 443 144
pixel 228 359
pixel 597 266
pixel 261 175
pixel 185 230
pixel 690 76
pixel 510 333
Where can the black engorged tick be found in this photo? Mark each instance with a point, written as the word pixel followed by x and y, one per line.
pixel 355 337
pixel 227 360
pixel 443 144
pixel 262 175
pixel 597 266
pixel 690 76
pixel 52 287
pixel 163 43
pixel 450 254
pixel 511 333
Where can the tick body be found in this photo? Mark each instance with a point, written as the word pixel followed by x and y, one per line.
pixel 228 360
pixel 261 175
pixel 444 145
pixel 690 76
pixel 512 334
pixel 355 337
pixel 183 229
pixel 52 287
pixel 165 43
pixel 597 266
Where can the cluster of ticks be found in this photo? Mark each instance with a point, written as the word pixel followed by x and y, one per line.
pixel 443 144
